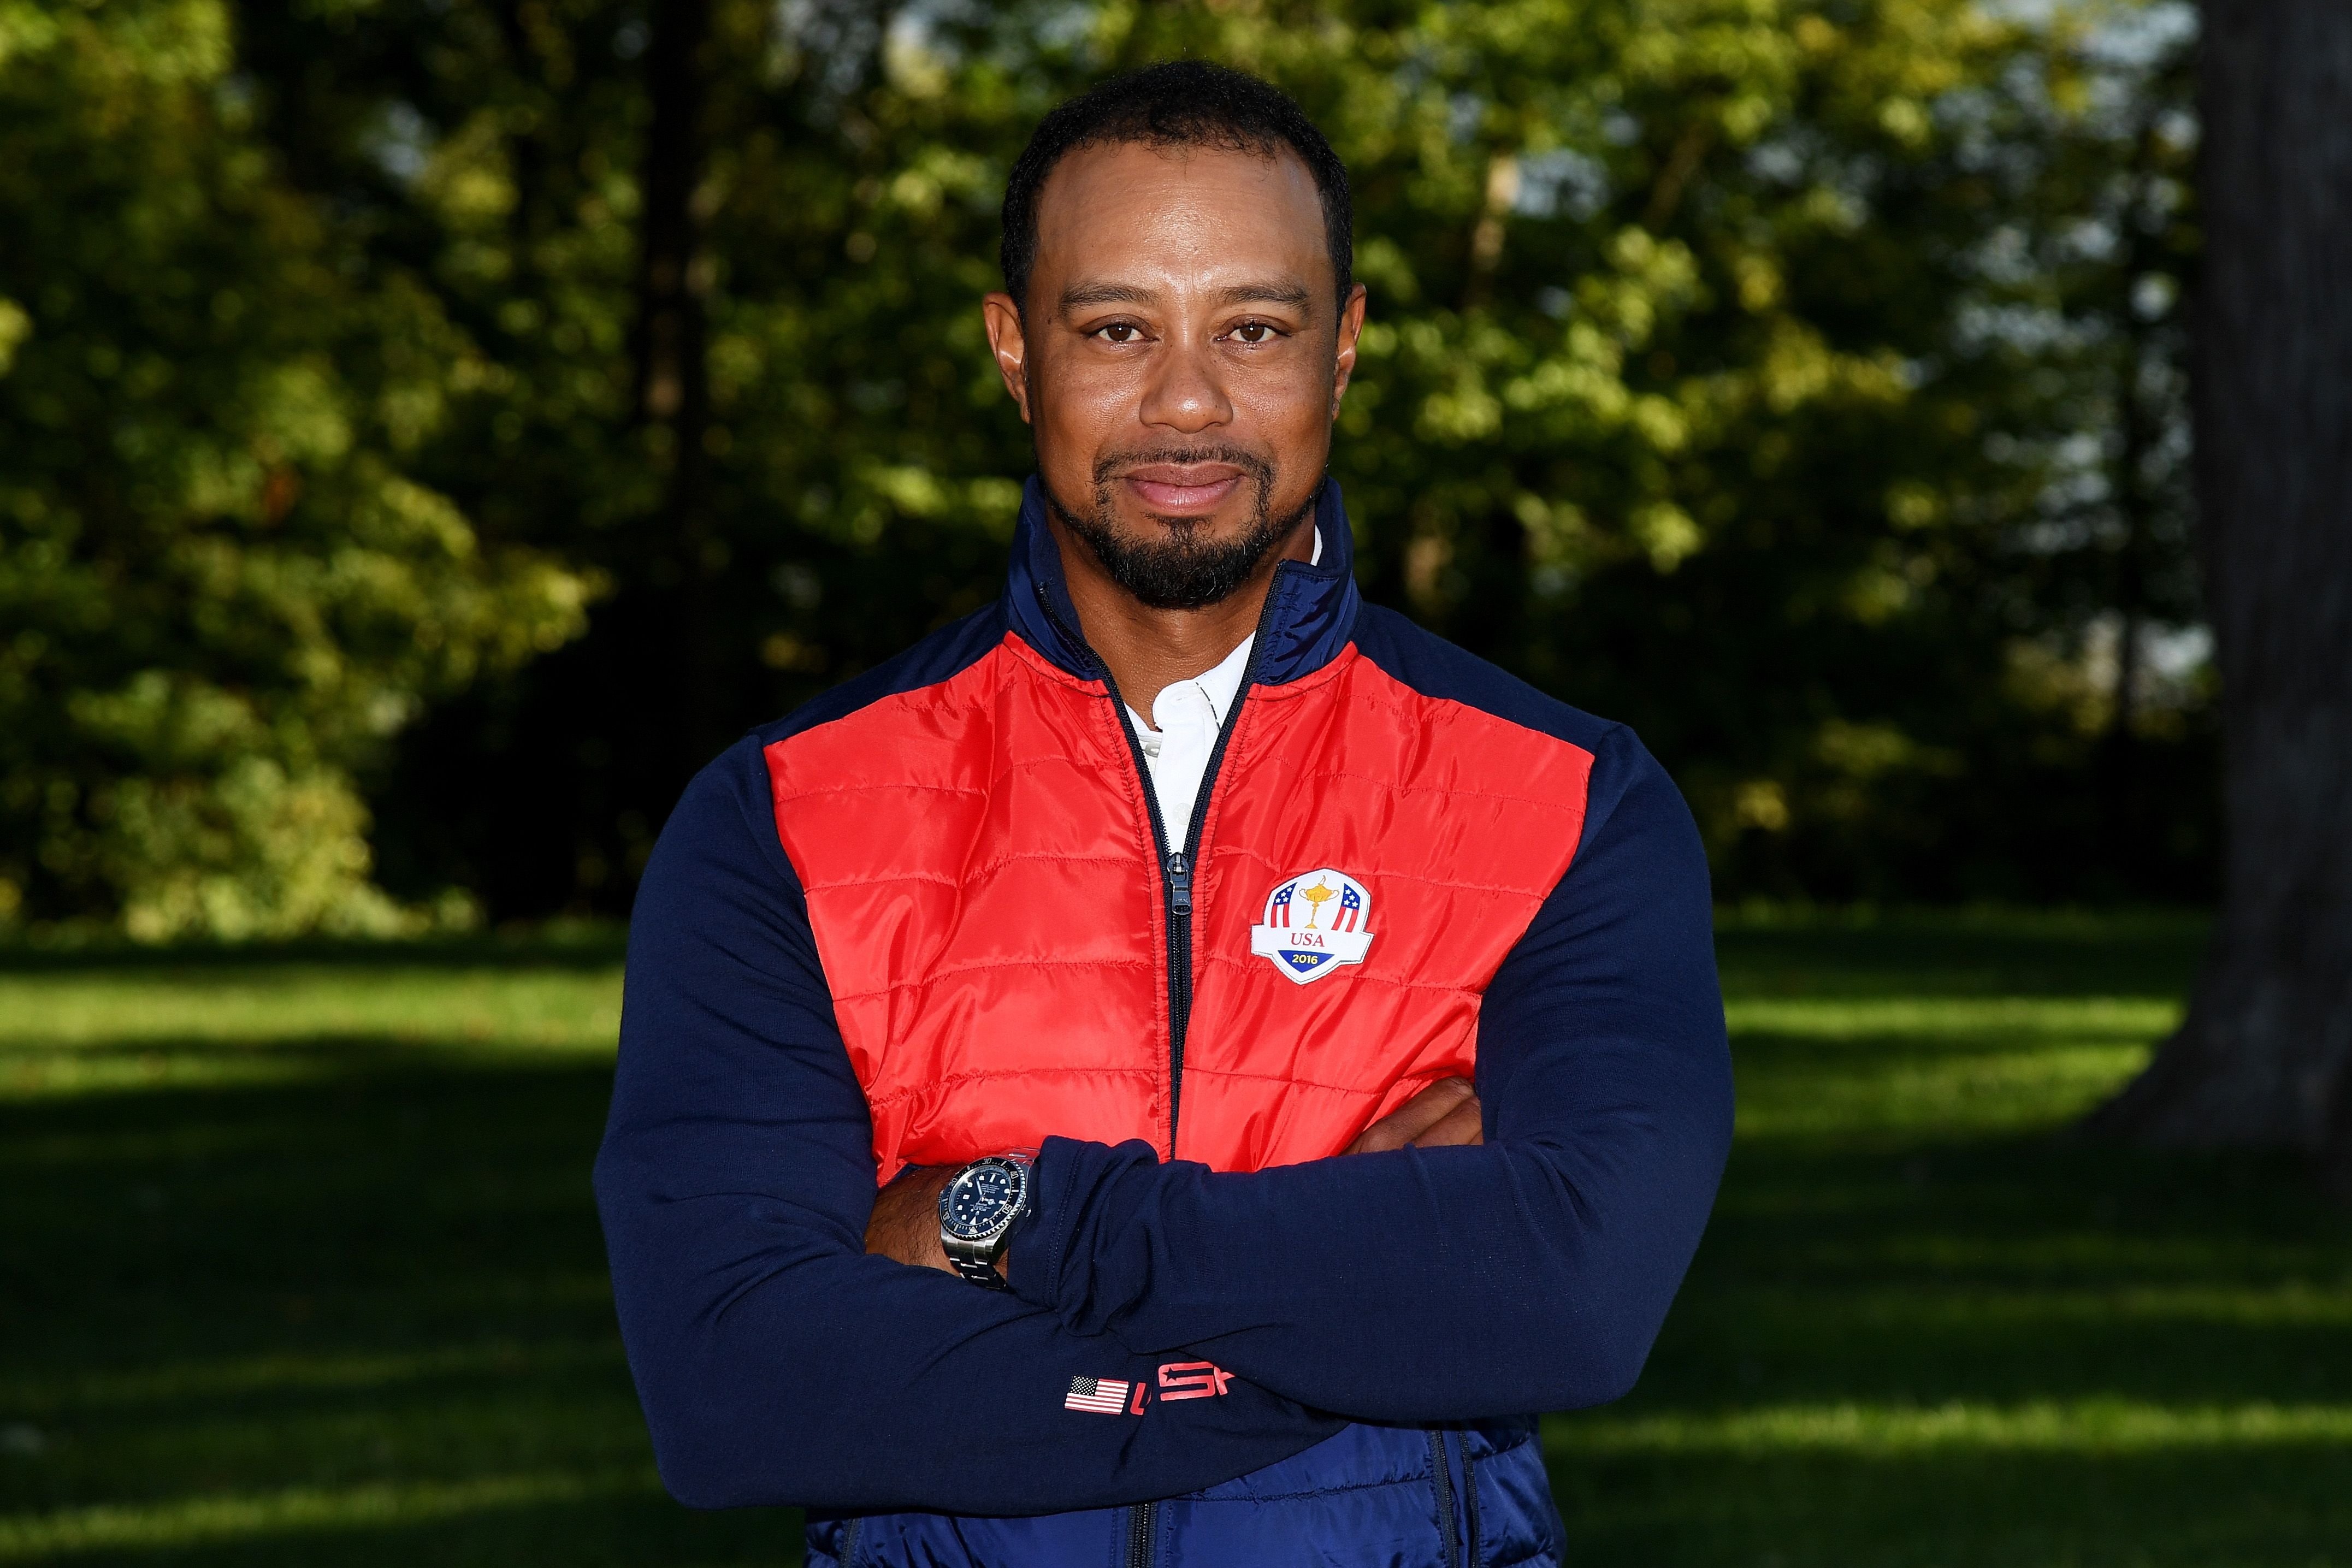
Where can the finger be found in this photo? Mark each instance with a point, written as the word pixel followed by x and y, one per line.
pixel 1430 1106
pixel 1398 1128
pixel 1408 1121
pixel 1458 1128
pixel 1446 1091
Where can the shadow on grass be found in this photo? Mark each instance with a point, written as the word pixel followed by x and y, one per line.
pixel 358 1314
pixel 638 1528
pixel 2188 1507
pixel 2056 955
pixel 594 947
pixel 338 1067
pixel 382 1282
pixel 2008 1272
pixel 2004 1351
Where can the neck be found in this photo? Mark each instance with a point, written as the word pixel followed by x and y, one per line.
pixel 1147 650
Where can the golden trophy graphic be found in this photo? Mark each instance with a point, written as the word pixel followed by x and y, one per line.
pixel 1317 897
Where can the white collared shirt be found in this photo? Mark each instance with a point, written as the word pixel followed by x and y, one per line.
pixel 1186 719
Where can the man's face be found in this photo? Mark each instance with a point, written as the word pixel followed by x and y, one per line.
pixel 1179 362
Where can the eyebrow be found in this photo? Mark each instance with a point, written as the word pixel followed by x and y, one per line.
pixel 1079 295
pixel 1268 293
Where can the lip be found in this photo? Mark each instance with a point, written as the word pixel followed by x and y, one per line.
pixel 1181 489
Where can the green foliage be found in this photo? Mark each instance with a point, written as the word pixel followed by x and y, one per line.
pixel 1921 1330
pixel 1797 379
pixel 1702 386
pixel 223 588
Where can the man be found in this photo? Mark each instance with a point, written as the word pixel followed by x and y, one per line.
pixel 1140 939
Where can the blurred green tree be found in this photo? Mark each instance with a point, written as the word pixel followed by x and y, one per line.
pixel 1754 371
pixel 222 589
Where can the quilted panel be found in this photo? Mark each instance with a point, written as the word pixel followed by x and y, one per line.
pixel 1456 824
pixel 978 861
pixel 986 902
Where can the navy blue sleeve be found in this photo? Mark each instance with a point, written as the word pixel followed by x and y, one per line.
pixel 1530 1273
pixel 777 1362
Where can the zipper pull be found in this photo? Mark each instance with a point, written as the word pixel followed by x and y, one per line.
pixel 1179 884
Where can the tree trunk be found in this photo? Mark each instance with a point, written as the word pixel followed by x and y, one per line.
pixel 2264 1058
pixel 673 380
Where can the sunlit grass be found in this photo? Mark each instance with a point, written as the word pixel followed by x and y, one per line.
pixel 2087 1427
pixel 298 1266
pixel 187 1521
pixel 1950 1065
pixel 574 1010
pixel 1929 1328
pixel 165 1028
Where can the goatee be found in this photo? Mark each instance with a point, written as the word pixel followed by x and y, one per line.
pixel 1185 569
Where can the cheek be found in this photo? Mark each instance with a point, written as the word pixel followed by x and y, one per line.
pixel 1084 404
pixel 1288 403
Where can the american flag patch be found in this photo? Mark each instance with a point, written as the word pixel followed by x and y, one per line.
pixel 1103 1395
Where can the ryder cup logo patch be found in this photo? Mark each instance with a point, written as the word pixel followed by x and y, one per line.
pixel 1313 923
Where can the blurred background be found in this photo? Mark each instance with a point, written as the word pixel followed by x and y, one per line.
pixel 431 429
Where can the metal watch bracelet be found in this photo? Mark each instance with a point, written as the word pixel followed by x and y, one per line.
pixel 972 1257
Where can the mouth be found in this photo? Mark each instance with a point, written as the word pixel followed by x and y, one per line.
pixel 1183 490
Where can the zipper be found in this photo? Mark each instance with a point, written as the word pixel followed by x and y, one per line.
pixel 1140 1521
pixel 1176 895
pixel 1469 1502
pixel 849 1542
pixel 1440 1478
pixel 1176 866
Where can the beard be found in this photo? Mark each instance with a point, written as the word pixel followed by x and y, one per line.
pixel 1186 569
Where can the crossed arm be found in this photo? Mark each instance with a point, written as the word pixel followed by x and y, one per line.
pixel 1440 1278
pixel 904 1226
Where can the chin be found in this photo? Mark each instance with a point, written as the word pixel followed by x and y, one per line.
pixel 1226 524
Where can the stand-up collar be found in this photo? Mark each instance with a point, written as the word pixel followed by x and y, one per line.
pixel 1311 610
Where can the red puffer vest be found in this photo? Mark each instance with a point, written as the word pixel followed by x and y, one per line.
pixel 1014 953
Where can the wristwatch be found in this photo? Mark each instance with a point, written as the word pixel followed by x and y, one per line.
pixel 977 1212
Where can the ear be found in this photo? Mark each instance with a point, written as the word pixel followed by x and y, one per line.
pixel 1351 327
pixel 1009 344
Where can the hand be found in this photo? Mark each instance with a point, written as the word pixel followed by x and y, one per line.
pixel 1442 1116
pixel 905 1225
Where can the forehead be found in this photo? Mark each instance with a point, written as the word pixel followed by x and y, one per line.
pixel 1177 216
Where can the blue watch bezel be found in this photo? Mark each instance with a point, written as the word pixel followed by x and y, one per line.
pixel 1017 1168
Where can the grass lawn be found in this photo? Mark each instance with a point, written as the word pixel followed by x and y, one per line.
pixel 298 1265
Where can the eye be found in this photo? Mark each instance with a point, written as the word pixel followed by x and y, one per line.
pixel 1119 332
pixel 1256 332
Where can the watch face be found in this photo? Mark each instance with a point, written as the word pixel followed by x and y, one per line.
pixel 982 1200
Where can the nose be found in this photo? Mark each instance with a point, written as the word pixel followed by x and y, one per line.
pixel 1185 392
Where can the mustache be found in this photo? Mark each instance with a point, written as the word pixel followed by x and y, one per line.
pixel 1110 464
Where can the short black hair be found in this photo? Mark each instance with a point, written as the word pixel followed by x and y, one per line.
pixel 1180 103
